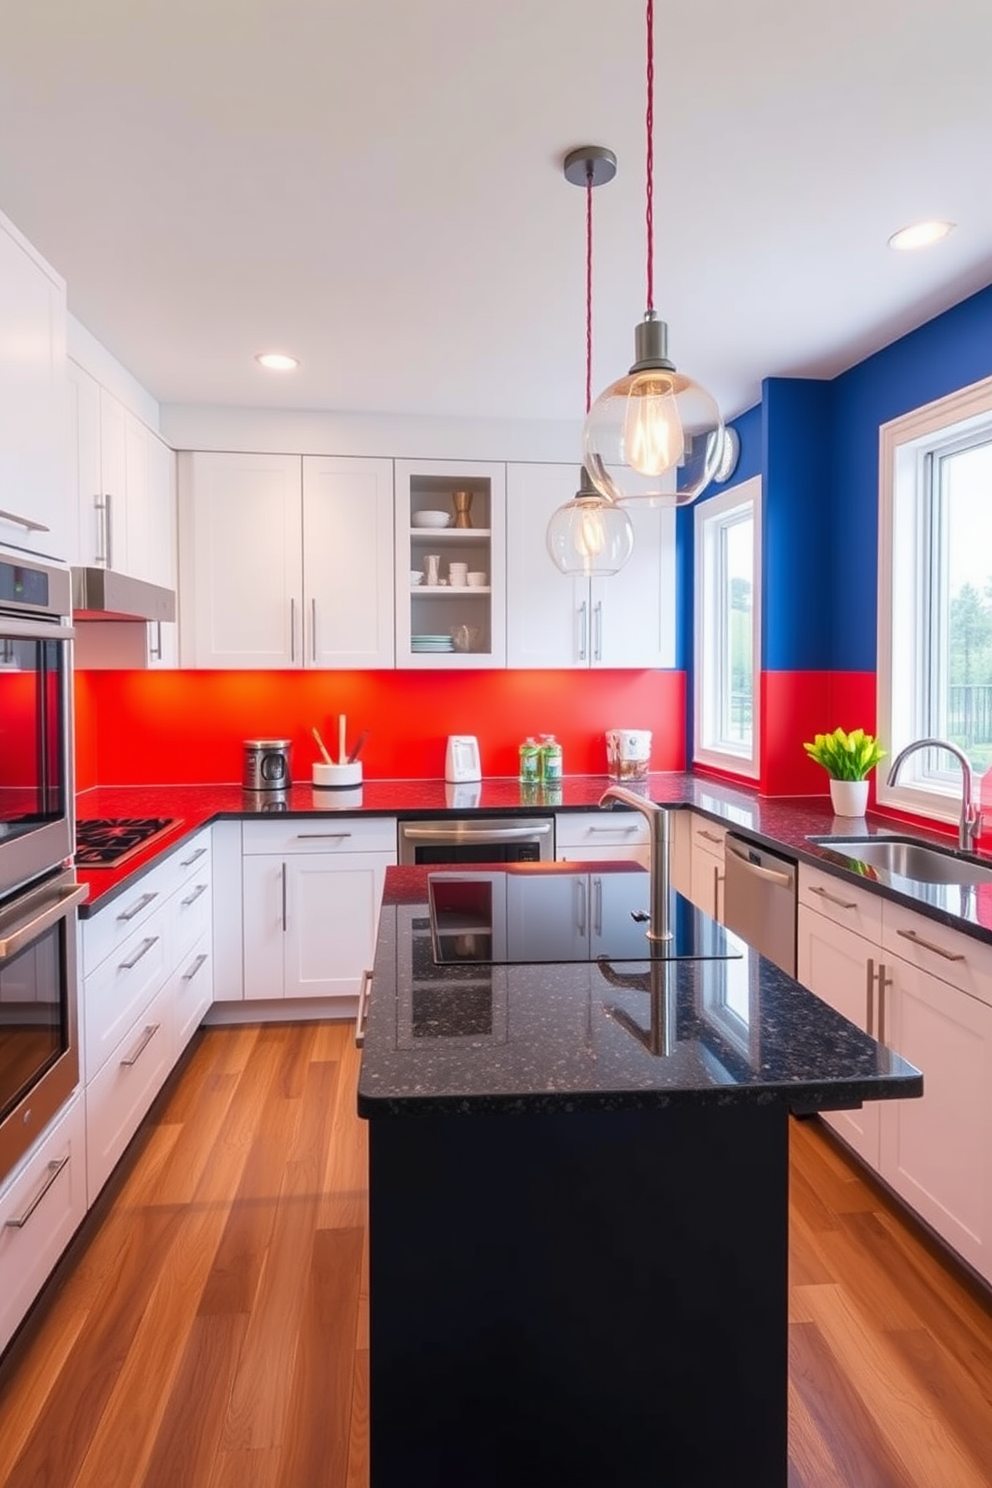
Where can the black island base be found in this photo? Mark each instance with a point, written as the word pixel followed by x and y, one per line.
pixel 578 1189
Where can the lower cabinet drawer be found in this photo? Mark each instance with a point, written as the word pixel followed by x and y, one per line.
pixel 192 990
pixel 40 1210
pixel 192 912
pixel 125 1087
pixel 115 994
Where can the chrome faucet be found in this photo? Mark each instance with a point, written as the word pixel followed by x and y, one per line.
pixel 657 817
pixel 968 828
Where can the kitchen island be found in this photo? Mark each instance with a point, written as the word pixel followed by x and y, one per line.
pixel 578 1177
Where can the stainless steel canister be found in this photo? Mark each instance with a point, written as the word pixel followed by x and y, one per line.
pixel 267 764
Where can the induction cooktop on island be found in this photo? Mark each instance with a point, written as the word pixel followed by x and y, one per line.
pixel 105 842
pixel 533 913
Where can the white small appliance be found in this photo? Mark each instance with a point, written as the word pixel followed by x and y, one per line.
pixel 462 760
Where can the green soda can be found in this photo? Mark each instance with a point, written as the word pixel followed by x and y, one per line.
pixel 530 762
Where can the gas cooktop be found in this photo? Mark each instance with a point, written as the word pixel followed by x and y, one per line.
pixel 534 913
pixel 104 842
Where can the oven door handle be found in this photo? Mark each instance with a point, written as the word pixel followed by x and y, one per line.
pixel 10 945
pixel 484 834
pixel 30 630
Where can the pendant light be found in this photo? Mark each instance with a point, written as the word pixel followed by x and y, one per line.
pixel 590 535
pixel 655 435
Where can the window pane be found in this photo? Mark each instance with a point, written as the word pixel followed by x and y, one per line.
pixel 963 580
pixel 737 691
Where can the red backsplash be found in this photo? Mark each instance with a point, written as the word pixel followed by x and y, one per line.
pixel 135 728
pixel 797 705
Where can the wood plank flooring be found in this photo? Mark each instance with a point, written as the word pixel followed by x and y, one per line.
pixel 209 1326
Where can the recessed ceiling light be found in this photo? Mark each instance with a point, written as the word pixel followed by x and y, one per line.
pixel 277 361
pixel 920 235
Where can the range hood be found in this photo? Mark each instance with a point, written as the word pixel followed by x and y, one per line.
pixel 105 594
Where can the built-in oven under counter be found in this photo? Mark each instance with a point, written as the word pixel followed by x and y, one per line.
pixel 477 839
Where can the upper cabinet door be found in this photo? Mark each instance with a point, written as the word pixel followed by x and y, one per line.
pixel 240 563
pixel 632 621
pixel 547 614
pixel 347 562
pixel 85 486
pixel 34 506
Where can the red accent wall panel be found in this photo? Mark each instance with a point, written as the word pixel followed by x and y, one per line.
pixel 797 705
pixel 175 727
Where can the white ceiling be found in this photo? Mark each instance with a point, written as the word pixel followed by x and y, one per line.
pixel 377 188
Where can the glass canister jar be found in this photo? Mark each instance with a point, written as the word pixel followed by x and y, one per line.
pixel 551 760
pixel 530 761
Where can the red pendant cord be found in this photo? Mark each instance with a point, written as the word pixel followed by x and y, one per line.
pixel 650 157
pixel 589 184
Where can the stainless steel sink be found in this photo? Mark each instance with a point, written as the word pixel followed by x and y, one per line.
pixel 909 858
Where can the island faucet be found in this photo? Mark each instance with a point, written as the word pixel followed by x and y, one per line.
pixel 657 818
pixel 968 827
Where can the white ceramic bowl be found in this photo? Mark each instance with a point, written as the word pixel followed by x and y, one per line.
pixel 431 519
pixel 416 577
pixel 477 579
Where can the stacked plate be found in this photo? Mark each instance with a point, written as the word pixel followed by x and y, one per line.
pixel 432 643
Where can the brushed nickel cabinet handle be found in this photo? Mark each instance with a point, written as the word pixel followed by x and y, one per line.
pixel 883 982
pixel 870 1005
pixel 581 887
pixel 192 898
pixel 129 914
pixel 140 1046
pixel 832 898
pixel 142 950
pixel 54 1169
pixel 584 631
pixel 710 837
pixel 188 862
pixel 334 836
pixel 189 975
pixel 598 630
pixel 928 945
pixel 100 507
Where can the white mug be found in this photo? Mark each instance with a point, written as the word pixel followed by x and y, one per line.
pixel 457 573
pixel 477 579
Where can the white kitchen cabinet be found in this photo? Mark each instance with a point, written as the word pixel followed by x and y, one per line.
pixel 34 510
pixel 602 837
pixel 627 620
pixel 311 898
pixel 841 967
pixel 706 870
pixel 475 617
pixel 42 1204
pixel 285 561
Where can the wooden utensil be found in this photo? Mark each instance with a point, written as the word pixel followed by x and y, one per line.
pixel 357 746
pixel 342 751
pixel 321 746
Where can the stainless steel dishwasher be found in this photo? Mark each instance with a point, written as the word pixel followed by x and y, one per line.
pixel 760 900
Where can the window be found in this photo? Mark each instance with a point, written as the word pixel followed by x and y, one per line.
pixel 728 565
pixel 935 596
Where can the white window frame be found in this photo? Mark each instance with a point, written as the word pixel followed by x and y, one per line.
pixel 904 445
pixel 711 517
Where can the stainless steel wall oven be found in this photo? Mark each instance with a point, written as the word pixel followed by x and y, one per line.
pixel 39 894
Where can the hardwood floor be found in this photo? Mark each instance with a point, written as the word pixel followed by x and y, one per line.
pixel 209 1328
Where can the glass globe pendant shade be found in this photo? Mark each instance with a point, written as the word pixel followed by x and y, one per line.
pixel 590 535
pixel 655 435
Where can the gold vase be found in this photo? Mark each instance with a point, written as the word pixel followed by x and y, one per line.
pixel 463 505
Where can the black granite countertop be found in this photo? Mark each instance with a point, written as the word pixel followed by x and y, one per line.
pixel 582 1036
pixel 783 823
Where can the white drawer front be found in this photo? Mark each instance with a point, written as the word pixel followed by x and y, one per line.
pixel 125 1087
pixel 833 896
pixel 192 859
pixel 192 990
pixel 190 908
pixel 332 833
pixel 613 829
pixel 40 1210
pixel 707 836
pixel 110 927
pixel 959 959
pixel 120 988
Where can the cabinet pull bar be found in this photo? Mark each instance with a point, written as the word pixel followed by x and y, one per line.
pixel 100 558
pixel 313 628
pixel 581 887
pixel 717 881
pixel 27 523
pixel 584 631
pixel 188 862
pixel 612 830
pixel 156 650
pixel 189 975
pixel 363 1008
pixel 841 903
pixel 883 982
pixel 54 1169
pixel 142 950
pixel 336 836
pixel 292 630
pixel 597 906
pixel 710 836
pixel 284 898
pixel 192 898
pixel 598 631
pixel 928 945
pixel 129 914
pixel 870 1003
pixel 141 1045
pixel 108 546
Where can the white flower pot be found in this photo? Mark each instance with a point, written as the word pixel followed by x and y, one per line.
pixel 849 797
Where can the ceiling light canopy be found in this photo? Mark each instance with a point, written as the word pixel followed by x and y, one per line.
pixel 277 361
pixel 920 235
pixel 654 435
